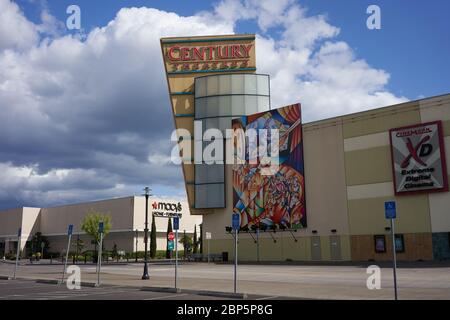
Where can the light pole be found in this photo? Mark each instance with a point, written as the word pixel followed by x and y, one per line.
pixel 147 192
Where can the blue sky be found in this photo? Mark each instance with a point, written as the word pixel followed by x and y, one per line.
pixel 412 45
pixel 91 119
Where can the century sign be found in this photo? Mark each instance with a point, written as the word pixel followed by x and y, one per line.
pixel 166 209
pixel 195 57
pixel 418 158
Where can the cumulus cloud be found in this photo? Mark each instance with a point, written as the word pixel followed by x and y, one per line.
pixel 88 118
pixel 16 32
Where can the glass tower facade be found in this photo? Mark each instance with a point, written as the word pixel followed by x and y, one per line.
pixel 219 99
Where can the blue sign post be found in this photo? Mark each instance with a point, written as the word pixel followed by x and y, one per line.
pixel 176 223
pixel 235 221
pixel 69 233
pixel 99 260
pixel 19 237
pixel 70 230
pixel 100 227
pixel 390 212
pixel 176 226
pixel 236 224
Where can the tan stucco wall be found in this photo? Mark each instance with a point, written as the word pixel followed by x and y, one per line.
pixel 323 150
pixel 439 109
pixel 55 220
pixel 10 222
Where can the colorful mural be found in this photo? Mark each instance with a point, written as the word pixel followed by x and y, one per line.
pixel 277 200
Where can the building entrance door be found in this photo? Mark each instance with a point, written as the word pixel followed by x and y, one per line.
pixel 315 248
pixel 335 248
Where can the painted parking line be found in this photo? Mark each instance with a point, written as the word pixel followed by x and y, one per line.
pixel 168 296
pixel 12 296
pixel 51 296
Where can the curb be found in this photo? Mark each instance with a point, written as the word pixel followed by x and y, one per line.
pixel 54 281
pixel 161 289
pixel 241 296
pixel 197 292
pixel 48 281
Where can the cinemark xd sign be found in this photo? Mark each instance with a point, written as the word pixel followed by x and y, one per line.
pixel 418 158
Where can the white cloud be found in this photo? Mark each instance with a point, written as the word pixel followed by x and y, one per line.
pixel 91 118
pixel 16 32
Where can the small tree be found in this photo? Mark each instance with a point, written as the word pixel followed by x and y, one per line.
pixel 38 241
pixel 186 241
pixel 114 251
pixel 79 245
pixel 153 239
pixel 90 226
pixel 195 243
pixel 169 229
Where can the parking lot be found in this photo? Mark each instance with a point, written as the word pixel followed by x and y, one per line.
pixel 31 290
pixel 123 281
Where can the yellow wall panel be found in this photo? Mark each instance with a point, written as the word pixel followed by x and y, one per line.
pixel 379 120
pixel 368 166
pixel 366 216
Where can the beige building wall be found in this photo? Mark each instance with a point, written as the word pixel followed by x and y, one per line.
pixel 11 220
pixel 438 108
pixel 127 216
pixel 55 220
pixel 348 176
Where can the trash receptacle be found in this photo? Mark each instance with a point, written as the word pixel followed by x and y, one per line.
pixel 225 256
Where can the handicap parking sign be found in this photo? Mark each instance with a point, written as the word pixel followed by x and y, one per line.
pixel 390 210
pixel 235 221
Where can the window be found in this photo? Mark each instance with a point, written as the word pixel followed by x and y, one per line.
pixel 210 196
pixel 399 243
pixel 380 243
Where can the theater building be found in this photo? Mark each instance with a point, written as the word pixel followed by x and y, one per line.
pixel 127 219
pixel 327 201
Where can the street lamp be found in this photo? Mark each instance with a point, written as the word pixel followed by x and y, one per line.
pixel 147 192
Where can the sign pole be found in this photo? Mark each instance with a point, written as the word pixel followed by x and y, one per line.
pixel 176 226
pixel 394 257
pixel 69 232
pixel 235 258
pixel 236 224
pixel 99 262
pixel 99 259
pixel 176 258
pixel 208 249
pixel 19 236
pixel 390 212
pixel 257 245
